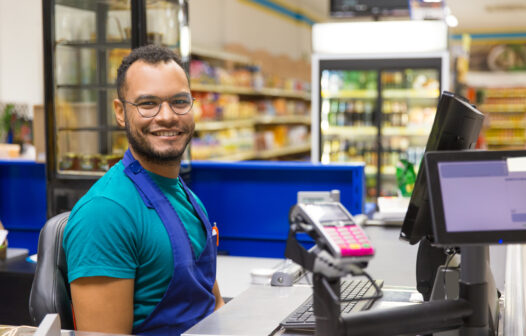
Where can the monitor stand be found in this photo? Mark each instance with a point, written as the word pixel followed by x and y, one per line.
pixel 475 271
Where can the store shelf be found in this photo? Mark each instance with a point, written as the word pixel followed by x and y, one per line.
pixel 285 119
pixel 272 153
pixel 240 90
pixel 404 131
pixel 264 155
pixel 219 54
pixel 503 108
pixel 94 45
pixel 87 86
pixel 506 125
pixel 259 120
pixel 344 94
pixel 220 125
pixel 350 131
pixel 411 93
pixel 505 142
pixel 248 155
pixel 506 82
pixel 65 173
pixel 91 129
pixel 389 171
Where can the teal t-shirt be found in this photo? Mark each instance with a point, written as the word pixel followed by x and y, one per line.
pixel 111 232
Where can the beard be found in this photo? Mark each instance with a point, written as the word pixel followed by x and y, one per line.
pixel 142 147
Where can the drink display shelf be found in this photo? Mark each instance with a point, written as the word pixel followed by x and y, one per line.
pixel 350 131
pixel 216 125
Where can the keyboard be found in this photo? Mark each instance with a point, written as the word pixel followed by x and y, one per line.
pixel 303 316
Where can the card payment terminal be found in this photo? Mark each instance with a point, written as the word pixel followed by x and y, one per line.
pixel 335 227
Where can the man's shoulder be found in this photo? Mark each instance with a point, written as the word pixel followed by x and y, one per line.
pixel 113 186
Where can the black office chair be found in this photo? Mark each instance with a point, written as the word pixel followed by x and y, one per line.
pixel 50 292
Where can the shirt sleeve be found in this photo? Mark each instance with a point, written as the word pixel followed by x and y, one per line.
pixel 100 240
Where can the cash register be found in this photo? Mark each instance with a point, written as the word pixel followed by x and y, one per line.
pixel 476 198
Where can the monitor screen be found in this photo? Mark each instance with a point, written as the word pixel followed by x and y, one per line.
pixel 456 126
pixel 477 197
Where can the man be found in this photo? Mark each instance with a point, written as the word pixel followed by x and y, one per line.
pixel 140 250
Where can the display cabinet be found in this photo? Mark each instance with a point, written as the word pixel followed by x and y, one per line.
pixel 378 110
pixel 84 43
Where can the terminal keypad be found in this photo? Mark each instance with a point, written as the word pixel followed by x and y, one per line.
pixel 351 240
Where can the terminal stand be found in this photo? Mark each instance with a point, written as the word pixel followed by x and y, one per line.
pixel 468 314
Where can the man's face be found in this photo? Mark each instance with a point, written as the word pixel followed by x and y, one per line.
pixel 164 137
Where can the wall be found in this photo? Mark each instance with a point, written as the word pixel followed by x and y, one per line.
pixel 220 22
pixel 213 23
pixel 21 68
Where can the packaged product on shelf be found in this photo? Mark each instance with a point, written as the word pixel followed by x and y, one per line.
pixel 202 72
pixel 298 135
pixel 265 107
pixel 280 106
pixel 88 162
pixel 247 109
pixel 69 161
pixel 242 77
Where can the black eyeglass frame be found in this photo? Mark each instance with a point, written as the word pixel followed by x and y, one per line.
pixel 159 107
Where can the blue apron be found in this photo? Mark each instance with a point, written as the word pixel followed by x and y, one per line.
pixel 188 298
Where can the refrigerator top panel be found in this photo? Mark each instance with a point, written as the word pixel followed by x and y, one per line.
pixel 385 37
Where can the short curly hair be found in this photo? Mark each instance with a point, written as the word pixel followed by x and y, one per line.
pixel 151 54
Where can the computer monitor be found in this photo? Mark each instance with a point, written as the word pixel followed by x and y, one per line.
pixel 456 126
pixel 477 197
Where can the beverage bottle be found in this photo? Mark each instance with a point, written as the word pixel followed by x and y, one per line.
pixel 386 109
pixel 340 118
pixel 349 109
pixel 350 113
pixel 333 112
pixel 368 113
pixel 395 115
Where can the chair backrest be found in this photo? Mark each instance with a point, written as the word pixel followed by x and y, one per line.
pixel 50 292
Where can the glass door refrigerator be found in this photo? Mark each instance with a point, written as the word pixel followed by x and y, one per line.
pixel 376 109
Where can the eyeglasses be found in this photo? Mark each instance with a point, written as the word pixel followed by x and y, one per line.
pixel 149 107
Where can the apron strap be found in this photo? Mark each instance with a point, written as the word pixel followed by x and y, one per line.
pixel 198 209
pixel 133 167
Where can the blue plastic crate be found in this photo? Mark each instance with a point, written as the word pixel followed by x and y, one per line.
pixel 250 201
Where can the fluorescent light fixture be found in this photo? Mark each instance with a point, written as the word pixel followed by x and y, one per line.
pixel 379 37
pixel 185 41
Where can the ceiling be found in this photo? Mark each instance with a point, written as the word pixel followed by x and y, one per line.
pixel 473 15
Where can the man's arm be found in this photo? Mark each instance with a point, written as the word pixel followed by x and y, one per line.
pixel 219 299
pixel 103 304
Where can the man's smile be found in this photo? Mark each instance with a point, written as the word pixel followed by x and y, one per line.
pixel 166 133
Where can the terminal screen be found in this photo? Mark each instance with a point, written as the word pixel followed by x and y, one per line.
pixel 326 213
pixel 483 196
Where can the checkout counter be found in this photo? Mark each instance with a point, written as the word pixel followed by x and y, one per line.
pixel 258 309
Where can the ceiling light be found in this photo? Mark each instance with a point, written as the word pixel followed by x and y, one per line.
pixel 451 20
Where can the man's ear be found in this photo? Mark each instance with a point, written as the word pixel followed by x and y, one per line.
pixel 119 112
